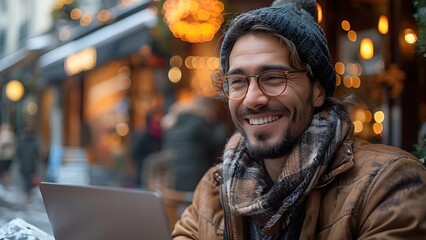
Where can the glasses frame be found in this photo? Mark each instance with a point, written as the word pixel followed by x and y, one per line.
pixel 247 78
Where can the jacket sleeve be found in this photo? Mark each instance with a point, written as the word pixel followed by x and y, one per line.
pixel 396 202
pixel 203 219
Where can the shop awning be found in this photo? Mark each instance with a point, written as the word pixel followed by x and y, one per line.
pixel 25 55
pixel 113 41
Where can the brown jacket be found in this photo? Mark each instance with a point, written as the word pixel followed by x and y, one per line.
pixel 379 194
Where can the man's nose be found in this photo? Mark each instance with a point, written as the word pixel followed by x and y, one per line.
pixel 255 96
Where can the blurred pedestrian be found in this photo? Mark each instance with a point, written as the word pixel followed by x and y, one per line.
pixel 7 152
pixel 146 142
pixel 193 134
pixel 28 155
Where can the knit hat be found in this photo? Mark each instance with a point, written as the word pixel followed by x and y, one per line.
pixel 296 20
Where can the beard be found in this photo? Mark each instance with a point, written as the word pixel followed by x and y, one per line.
pixel 262 150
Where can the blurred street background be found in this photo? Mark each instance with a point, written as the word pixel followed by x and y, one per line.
pixel 101 92
pixel 13 205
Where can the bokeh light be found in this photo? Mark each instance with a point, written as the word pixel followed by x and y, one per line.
pixel 193 21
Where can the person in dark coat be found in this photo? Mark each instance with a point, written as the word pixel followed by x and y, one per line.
pixel 193 134
pixel 28 154
pixel 146 142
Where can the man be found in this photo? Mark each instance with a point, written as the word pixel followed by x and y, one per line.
pixel 294 169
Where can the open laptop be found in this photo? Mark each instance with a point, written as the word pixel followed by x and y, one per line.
pixel 87 212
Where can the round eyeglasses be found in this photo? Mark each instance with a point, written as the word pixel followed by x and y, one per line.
pixel 270 82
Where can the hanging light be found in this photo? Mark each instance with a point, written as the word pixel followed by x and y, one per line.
pixel 383 25
pixel 409 36
pixel 366 49
pixel 193 21
pixel 319 9
pixel 14 90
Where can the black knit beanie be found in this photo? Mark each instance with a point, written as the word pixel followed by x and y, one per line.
pixel 296 20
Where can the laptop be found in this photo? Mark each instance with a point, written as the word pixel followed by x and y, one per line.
pixel 87 212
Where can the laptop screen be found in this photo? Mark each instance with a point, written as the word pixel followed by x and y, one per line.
pixel 93 212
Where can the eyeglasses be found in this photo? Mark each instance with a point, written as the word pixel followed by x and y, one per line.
pixel 270 82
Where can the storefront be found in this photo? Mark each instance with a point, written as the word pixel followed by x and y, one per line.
pixel 373 45
pixel 97 88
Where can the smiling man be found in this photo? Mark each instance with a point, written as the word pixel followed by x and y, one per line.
pixel 271 125
pixel 293 169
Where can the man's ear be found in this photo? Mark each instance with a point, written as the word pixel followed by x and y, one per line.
pixel 318 94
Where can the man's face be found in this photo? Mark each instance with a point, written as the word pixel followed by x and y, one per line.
pixel 271 125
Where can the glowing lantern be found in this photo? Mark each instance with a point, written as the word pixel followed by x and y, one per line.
pixel 383 25
pixel 193 20
pixel 14 90
pixel 409 36
pixel 366 49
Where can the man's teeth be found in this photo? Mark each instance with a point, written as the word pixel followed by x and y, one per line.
pixel 259 121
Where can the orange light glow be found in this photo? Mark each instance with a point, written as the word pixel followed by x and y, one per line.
pixel 346 25
pixel 352 36
pixel 340 68
pixel 80 61
pixel 358 126
pixel 409 36
pixel 193 20
pixel 366 49
pixel 383 25
pixel 319 9
pixel 378 128
pixel 379 116
pixel 75 14
pixel 14 90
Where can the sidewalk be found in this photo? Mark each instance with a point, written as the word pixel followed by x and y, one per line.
pixel 73 170
pixel 13 205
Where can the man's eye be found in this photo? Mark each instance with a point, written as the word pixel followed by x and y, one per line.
pixel 272 78
pixel 236 81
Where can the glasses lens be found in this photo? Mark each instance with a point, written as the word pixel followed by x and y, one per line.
pixel 273 83
pixel 235 86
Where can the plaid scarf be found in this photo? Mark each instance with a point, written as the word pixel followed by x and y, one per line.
pixel 247 184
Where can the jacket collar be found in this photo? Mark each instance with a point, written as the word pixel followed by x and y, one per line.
pixel 342 162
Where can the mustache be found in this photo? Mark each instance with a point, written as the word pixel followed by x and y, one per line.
pixel 283 110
